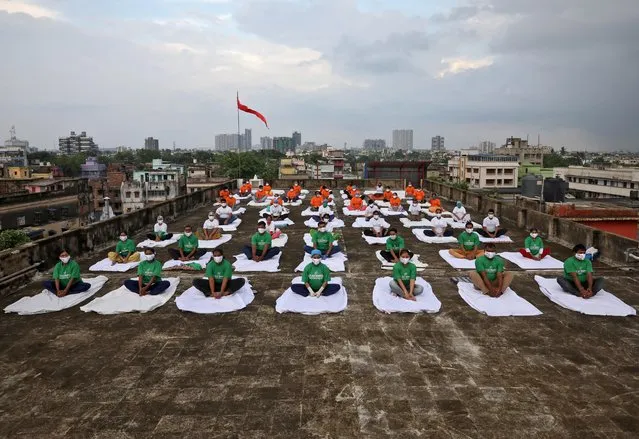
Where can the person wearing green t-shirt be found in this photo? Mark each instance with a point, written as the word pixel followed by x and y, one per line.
pixel 66 277
pixel 260 248
pixel 149 276
pixel 578 279
pixel 404 277
pixel 489 276
pixel 468 244
pixel 323 241
pixel 534 246
pixel 187 247
pixel 394 245
pixel 219 280
pixel 315 279
pixel 124 251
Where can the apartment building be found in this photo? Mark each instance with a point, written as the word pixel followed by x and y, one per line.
pixel 601 183
pixel 484 171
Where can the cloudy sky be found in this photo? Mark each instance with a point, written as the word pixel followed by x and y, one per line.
pixel 339 71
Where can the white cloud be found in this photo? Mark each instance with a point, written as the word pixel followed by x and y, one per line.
pixel 23 7
pixel 460 65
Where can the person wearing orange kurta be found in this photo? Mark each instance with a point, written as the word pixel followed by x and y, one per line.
pixel 396 203
pixel 410 190
pixel 246 189
pixel 260 195
pixel 231 201
pixel 324 192
pixel 268 189
pixel 388 194
pixel 297 188
pixel 277 200
pixel 316 201
pixel 292 195
pixel 419 195
pixel 224 193
pixel 435 203
pixel 356 203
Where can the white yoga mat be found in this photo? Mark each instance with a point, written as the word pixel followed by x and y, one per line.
pixel 400 194
pixel 284 223
pixel 106 265
pixel 508 304
pixel 233 226
pixel 266 211
pixel 389 265
pixel 294 203
pixel 462 264
pixel 122 301
pixel 243 265
pixel 383 204
pixel 174 264
pixel 601 304
pixel 336 223
pixel 309 212
pixel 280 241
pixel 151 243
pixel 193 300
pixel 237 197
pixel 419 234
pixel 214 243
pixel 308 240
pixel 386 301
pixel 311 306
pixel 501 239
pixel 240 211
pixel 547 263
pixel 46 301
pixel 445 214
pixel 373 240
pixel 408 223
pixel 387 212
pixel 361 223
pixel 461 225
pixel 353 212
pixel 253 203
pixel 335 263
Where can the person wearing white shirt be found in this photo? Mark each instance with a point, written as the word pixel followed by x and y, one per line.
pixel 277 211
pixel 160 231
pixel 371 209
pixel 459 213
pixel 270 227
pixel 210 228
pixel 439 226
pixel 378 226
pixel 491 227
pixel 224 214
pixel 415 211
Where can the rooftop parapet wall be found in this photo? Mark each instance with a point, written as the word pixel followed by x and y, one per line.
pixel 613 247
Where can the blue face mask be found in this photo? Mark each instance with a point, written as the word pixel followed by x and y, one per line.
pixel 459 204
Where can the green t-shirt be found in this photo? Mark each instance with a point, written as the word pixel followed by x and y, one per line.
pixel 574 265
pixel 65 272
pixel 395 244
pixel 405 273
pixel 261 240
pixel 469 240
pixel 220 271
pixel 323 240
pixel 188 243
pixel 150 269
pixel 316 275
pixel 490 266
pixel 125 248
pixel 534 245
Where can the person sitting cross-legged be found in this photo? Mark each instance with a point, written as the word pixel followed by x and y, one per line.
pixel 324 210
pixel 261 195
pixel 534 247
pixel 124 251
pixel 270 227
pixel 66 277
pixel 379 192
pixel 578 279
pixel 377 226
pixel 149 276
pixel 276 210
pixel 394 245
pixel 219 280
pixel 291 196
pixel 468 244
pixel 396 203
pixel 410 190
pixel 210 229
pixel 415 211
pixel 246 189
pixel 420 195
pixel 356 203
pixel 316 201
pixel 187 247
pixel 159 231
pixel 489 276
pixel 435 203
pixel 323 241
pixel 224 214
pixel 440 227
pixel 459 213
pixel 404 277
pixel 491 227
pixel 316 277
pixel 371 208
pixel 260 248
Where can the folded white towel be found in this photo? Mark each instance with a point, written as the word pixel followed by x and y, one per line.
pixel 386 301
pixel 243 265
pixel 294 203
pixel 240 211
pixel 361 223
pixel 387 212
pixel 284 223
pixel 336 223
pixel 214 243
pixel 547 263
pixel 122 300
pixel 508 304
pixel 233 226
pixel 261 204
pixel 280 241
pixel 389 265
pixel 408 223
pixel 265 211
pixel 445 214
pixel 462 264
pixel 335 263
pixel 419 234
pixel 106 265
pixel 48 302
pixel 601 304
pixel 308 212
pixel 370 240
pixel 193 300
pixel 291 302
pixel 501 239
pixel 150 243
pixel 173 263
pixel 353 212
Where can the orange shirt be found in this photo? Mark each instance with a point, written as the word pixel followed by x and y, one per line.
pixel 388 195
pixel 352 192
pixel 291 194
pixel 246 188
pixel 316 201
pixel 356 203
pixel 260 194
pixel 325 193
pixel 279 201
pixel 410 191
pixel 267 188
pixel 396 202
pixel 230 201
pixel 419 195
pixel 435 202
pixel 224 193
pixel 349 188
pixel 298 189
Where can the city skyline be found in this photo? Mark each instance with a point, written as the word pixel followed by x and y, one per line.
pixel 172 68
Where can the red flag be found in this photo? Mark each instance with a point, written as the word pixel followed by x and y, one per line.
pixel 246 109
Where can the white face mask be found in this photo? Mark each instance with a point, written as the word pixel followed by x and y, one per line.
pixel 65 259
pixel 469 231
pixel 491 216
pixel 439 215
pixel 160 221
pixel 393 237
pixel 316 261
pixel 580 256
pixel 187 234
pixel 534 235
pixel 123 238
pixel 149 257
pixel 223 205
pixel 375 217
pixel 490 255
pixel 404 260
pixel 261 230
pixel 211 217
pixel 218 259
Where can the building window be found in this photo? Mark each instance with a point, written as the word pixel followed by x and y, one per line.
pixel 136 194
pixel 128 194
pixel 499 182
pixel 500 171
pixel 490 171
pixel 509 171
pixel 37 217
pixel 490 182
pixel 508 182
pixel 21 221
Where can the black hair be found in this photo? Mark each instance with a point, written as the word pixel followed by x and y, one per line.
pixel 392 229
pixel 188 226
pixel 491 210
pixel 218 250
pixel 534 229
pixel 149 249
pixel 578 248
pixel 470 223
pixel 321 223
pixel 490 246
pixel 404 251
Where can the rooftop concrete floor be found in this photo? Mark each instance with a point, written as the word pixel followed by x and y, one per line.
pixel 361 373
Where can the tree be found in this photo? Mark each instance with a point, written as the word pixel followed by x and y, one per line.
pixel 554 160
pixel 562 151
pixel 243 165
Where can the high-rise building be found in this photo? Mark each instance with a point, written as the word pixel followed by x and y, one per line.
pixel 437 143
pixel 403 139
pixel 266 142
pixel 75 143
pixel 247 140
pixel 283 144
pixel 486 147
pixel 152 144
pixel 374 144
pixel 297 139
pixel 14 151
pixel 529 154
pixel 230 142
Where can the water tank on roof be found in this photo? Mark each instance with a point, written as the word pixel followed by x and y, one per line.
pixel 531 185
pixel 555 190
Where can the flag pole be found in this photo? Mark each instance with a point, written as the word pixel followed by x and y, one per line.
pixel 239 143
